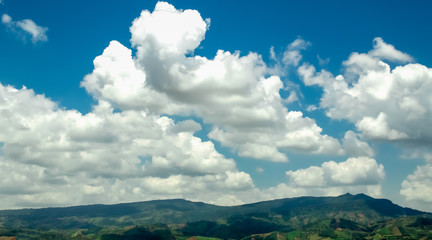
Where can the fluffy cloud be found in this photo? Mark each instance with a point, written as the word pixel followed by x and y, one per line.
pixel 354 171
pixel 103 156
pixel 418 186
pixel 117 79
pixel 385 104
pixel 131 147
pixel 168 31
pixel 26 26
pixel 353 146
pixel 355 175
pixel 361 174
pixel 231 92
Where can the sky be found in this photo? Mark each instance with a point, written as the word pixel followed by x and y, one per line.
pixel 215 101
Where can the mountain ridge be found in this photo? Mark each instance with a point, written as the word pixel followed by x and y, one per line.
pixel 347 216
pixel 172 211
pixel 355 196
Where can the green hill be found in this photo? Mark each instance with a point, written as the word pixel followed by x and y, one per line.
pixel 344 217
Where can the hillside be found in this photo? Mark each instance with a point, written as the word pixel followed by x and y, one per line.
pixel 358 213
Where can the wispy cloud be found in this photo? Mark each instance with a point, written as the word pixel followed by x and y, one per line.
pixel 26 28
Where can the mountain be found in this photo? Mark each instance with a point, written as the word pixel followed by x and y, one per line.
pixel 354 212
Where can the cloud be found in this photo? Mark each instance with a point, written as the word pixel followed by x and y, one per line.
pixel 116 78
pixel 355 175
pixel 418 186
pixel 167 30
pixel 132 147
pixel 231 92
pixel 292 55
pixel 377 128
pixel 388 52
pixel 103 156
pixel 284 190
pixel 353 146
pixel 26 27
pixel 352 172
pixel 384 104
pixel 323 61
pixel 311 108
pixel 6 19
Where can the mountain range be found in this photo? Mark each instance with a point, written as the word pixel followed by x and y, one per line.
pixel 359 214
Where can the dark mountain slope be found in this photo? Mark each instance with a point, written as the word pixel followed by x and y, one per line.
pixel 293 212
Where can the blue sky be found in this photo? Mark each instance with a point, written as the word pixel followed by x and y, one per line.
pixel 228 104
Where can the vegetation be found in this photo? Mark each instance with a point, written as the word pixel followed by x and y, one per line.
pixel 343 217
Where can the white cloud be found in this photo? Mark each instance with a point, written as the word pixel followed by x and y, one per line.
pixel 292 55
pixel 387 51
pixel 129 147
pixel 309 76
pixel 418 186
pixel 309 177
pixel 26 26
pixel 385 104
pixel 355 175
pixel 377 128
pixel 44 147
pixel 231 92
pixel 168 31
pixel 311 108
pixel 117 79
pixel 6 19
pixel 352 172
pixel 353 146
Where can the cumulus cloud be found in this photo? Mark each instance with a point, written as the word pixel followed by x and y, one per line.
pixel 44 147
pixel 385 104
pixel 27 27
pixel 418 186
pixel 355 175
pixel 353 146
pixel 131 146
pixel 232 92
pixel 167 30
pixel 354 171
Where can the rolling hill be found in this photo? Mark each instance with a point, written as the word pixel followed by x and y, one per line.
pixel 356 213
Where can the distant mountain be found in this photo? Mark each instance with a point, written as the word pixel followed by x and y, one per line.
pixel 292 212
